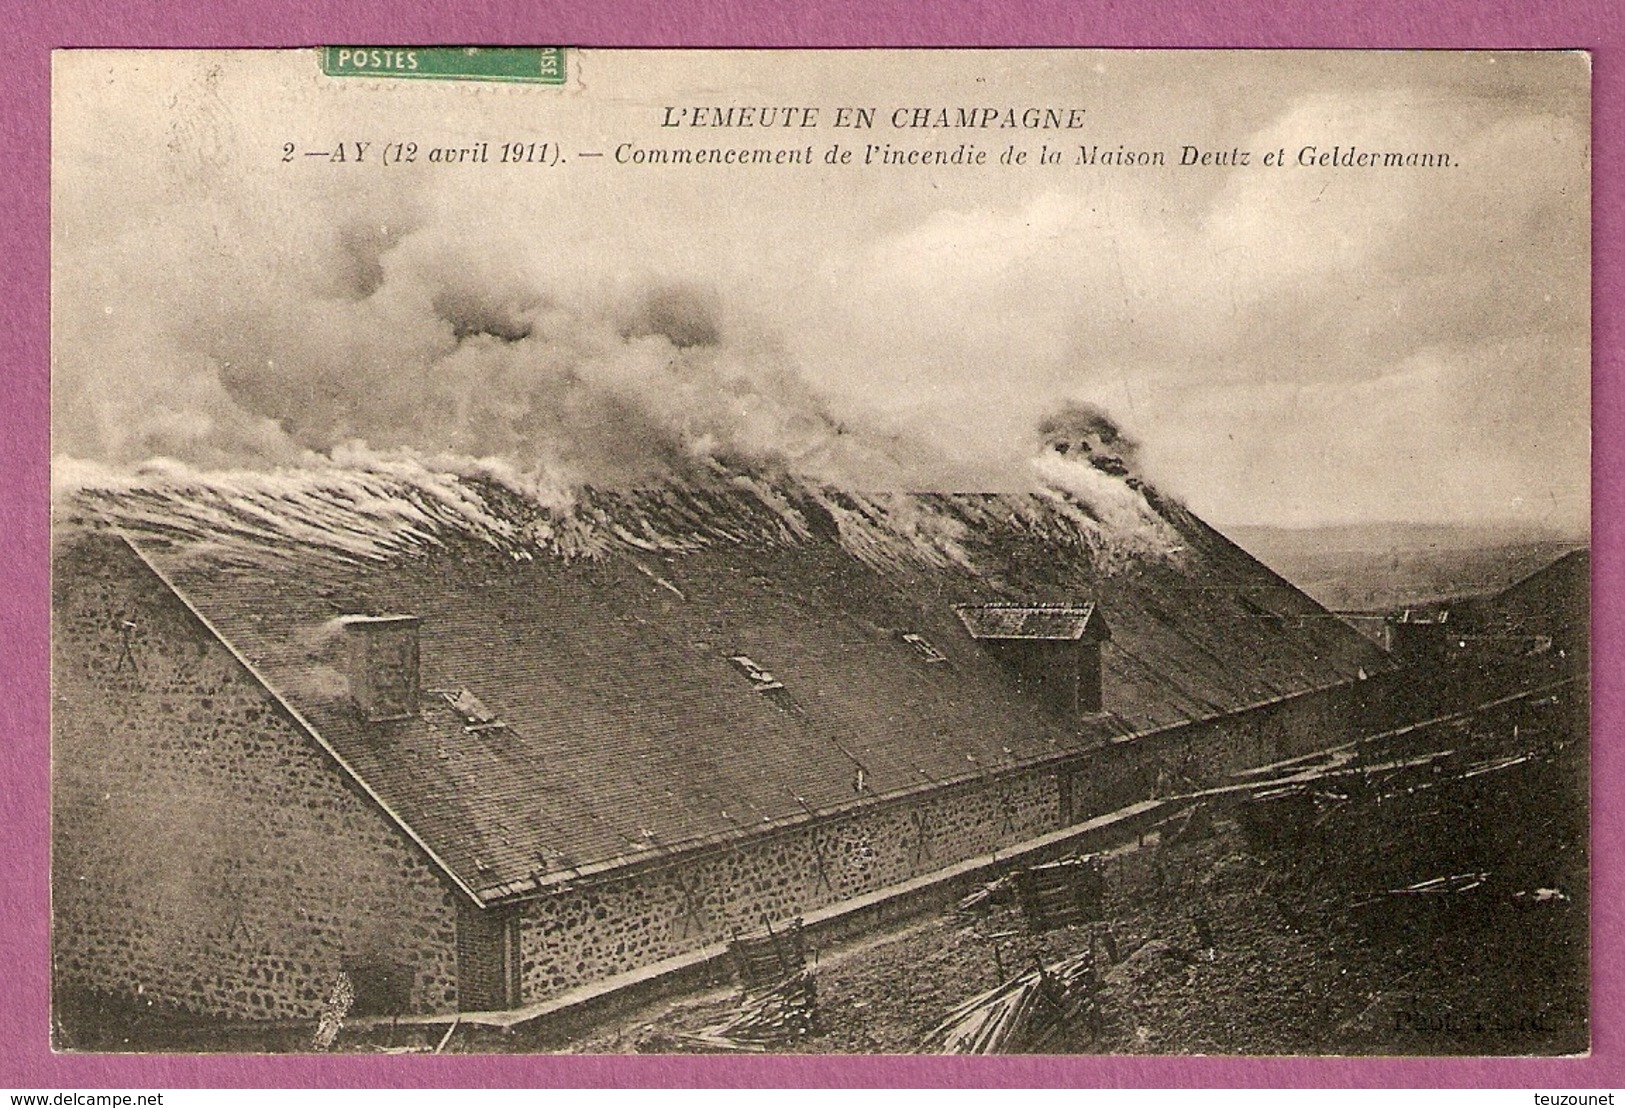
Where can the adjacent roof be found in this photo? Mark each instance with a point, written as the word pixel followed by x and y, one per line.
pixel 1062 622
pixel 1553 601
pixel 585 713
pixel 1558 593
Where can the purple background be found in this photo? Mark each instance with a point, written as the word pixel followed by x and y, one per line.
pixel 25 1057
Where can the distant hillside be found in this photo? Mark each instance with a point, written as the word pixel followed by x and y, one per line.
pixel 1388 565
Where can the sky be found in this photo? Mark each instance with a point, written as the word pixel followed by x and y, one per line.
pixel 1292 345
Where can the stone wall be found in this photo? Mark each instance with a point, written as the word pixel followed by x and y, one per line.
pixel 597 929
pixel 1204 753
pixel 207 855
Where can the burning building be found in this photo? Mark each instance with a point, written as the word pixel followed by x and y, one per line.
pixel 475 752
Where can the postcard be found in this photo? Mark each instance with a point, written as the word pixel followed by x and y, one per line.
pixel 835 552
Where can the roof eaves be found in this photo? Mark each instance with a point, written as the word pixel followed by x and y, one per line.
pixel 528 888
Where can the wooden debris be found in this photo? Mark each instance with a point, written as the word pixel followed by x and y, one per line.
pixel 1062 894
pixel 339 1002
pixel 984 898
pixel 1541 897
pixel 763 961
pixel 1437 887
pixel 782 1015
pixel 1026 1015
pixel 1437 898
pixel 446 1038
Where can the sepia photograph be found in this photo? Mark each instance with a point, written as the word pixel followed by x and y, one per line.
pixel 849 552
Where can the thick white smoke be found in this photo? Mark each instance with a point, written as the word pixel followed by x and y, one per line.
pixel 1088 456
pixel 345 394
pixel 362 361
pixel 410 342
pixel 1294 344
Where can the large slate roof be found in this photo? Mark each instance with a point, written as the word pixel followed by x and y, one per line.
pixel 631 725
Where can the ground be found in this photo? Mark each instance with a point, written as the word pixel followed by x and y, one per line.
pixel 1277 928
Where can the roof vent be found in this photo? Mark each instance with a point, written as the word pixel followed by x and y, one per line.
pixel 383 663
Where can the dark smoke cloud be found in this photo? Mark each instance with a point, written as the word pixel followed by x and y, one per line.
pixel 1087 432
pixel 472 315
pixel 358 265
pixel 684 315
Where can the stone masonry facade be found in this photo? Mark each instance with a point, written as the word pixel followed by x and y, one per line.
pixel 598 929
pixel 207 855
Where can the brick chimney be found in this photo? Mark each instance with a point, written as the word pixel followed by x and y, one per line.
pixel 383 665
pixel 1421 637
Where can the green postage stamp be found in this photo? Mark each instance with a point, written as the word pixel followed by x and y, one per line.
pixel 537 65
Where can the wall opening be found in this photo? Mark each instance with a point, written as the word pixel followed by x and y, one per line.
pixel 382 987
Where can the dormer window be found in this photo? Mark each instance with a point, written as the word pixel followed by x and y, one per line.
pixel 1052 649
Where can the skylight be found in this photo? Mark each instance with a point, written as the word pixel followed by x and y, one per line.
pixel 761 680
pixel 476 716
pixel 923 647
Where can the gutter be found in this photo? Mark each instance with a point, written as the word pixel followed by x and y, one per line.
pixel 627 864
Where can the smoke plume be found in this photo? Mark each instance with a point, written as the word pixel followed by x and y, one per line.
pixel 1087 455
pixel 1085 432
pixel 271 365
pixel 413 345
